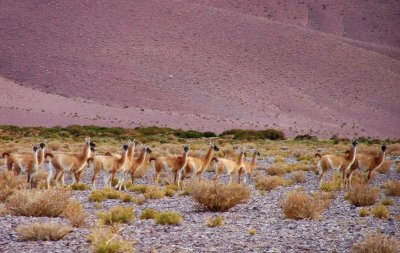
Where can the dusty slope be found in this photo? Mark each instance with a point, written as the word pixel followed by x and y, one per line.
pixel 234 68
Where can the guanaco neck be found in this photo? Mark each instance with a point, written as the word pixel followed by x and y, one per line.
pixel 124 157
pixel 207 159
pixel 142 156
pixel 352 154
pixel 254 159
pixel 35 159
pixel 381 158
pixel 86 152
pixel 241 156
pixel 131 151
pixel 41 156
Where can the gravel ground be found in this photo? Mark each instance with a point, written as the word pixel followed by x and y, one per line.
pixel 336 231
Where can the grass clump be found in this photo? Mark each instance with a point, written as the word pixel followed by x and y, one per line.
pixel 96 196
pixel 125 197
pixel 392 188
pixel 335 184
pixel 148 213
pixel 387 202
pixel 377 243
pixel 168 218
pixel 103 194
pixel 74 213
pixel 277 169
pixel 79 186
pixel 117 214
pixel 267 183
pixel 104 240
pixel 217 221
pixel 298 177
pixel 42 232
pixel 362 195
pixel 300 205
pixel 139 188
pixel 9 184
pixel 252 231
pixel 363 212
pixel 38 203
pixel 218 197
pixel 153 192
pixel 380 212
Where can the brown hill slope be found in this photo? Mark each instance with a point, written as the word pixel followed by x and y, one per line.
pixel 230 68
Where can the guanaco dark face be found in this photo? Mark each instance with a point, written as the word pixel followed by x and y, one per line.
pixel 42 145
pixel 92 149
pixel 35 148
pixel 125 147
pixel 92 144
pixel 354 143
pixel 186 149
pixel 215 148
pixel 383 147
pixel 148 150
pixel 258 153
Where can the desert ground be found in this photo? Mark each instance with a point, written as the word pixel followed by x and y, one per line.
pixel 306 67
pixel 331 222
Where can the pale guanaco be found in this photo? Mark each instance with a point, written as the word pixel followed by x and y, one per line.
pixel 198 165
pixel 231 167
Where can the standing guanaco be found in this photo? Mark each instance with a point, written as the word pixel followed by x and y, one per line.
pixel 199 165
pixel 29 165
pixel 251 165
pixel 175 164
pixel 340 162
pixel 230 167
pixel 108 164
pixel 13 160
pixel 366 162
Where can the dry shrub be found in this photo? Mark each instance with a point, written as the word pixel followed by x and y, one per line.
pixel 362 195
pixel 387 202
pixel 54 146
pixel 42 232
pixel 267 183
pixel 300 205
pixel 103 194
pixel 384 168
pixel 276 169
pixel 37 203
pixel 394 149
pixel 104 240
pixel 9 184
pixel 298 177
pixel 96 196
pixel 217 221
pixel 148 213
pixel 3 210
pixel 140 188
pixel 363 212
pixel 359 178
pixel 117 214
pixel 39 180
pixel 79 186
pixel 335 184
pixel 300 166
pixel 74 213
pixel 216 196
pixel 380 212
pixel 377 243
pixel 398 167
pixel 153 192
pixel 252 231
pixel 392 188
pixel 168 218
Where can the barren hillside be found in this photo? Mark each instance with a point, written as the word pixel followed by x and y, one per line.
pixel 321 66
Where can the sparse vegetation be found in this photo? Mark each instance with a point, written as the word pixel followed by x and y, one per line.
pixel 148 213
pixel 377 243
pixel 298 177
pixel 362 195
pixel 9 184
pixel 141 188
pixel 380 212
pixel 74 213
pixel 252 231
pixel 153 192
pixel 392 188
pixel 335 184
pixel 79 186
pixel 38 203
pixel 217 221
pixel 117 214
pixel 387 202
pixel 168 218
pixel 42 232
pixel 300 205
pixel 219 197
pixel 363 212
pixel 277 169
pixel 267 183
pixel 104 240
pixel 240 134
pixel 103 194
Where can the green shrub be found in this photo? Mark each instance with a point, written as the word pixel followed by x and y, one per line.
pixel 148 213
pixel 168 218
pixel 117 214
pixel 380 212
pixel 79 186
pixel 217 221
pixel 363 212
pixel 239 134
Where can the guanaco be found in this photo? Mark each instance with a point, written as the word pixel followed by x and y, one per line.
pixel 108 164
pixel 13 160
pixel 340 162
pixel 71 163
pixel 199 165
pixel 251 165
pixel 175 164
pixel 131 167
pixel 29 165
pixel 230 167
pixel 366 162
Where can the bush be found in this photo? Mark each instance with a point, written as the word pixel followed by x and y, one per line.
pixel 363 212
pixel 362 195
pixel 387 202
pixel 298 177
pixel 153 192
pixel 380 211
pixel 141 188
pixel 300 205
pixel 217 221
pixel 252 231
pixel 329 186
pixel 37 203
pixel 117 214
pixel 217 197
pixel 276 170
pixel 103 240
pixel 148 213
pixel 168 218
pixel 392 188
pixel 79 186
pixel 39 179
pixel 103 194
pixel 306 137
pixel 384 168
pixel 9 184
pixel 377 243
pixel 74 213
pixel 240 134
pixel 268 183
pixel 96 196
pixel 42 232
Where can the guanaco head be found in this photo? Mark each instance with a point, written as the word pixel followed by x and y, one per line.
pixel 214 159
pixel 42 145
pixel 214 147
pixel 384 147
pixel 35 148
pixel 148 150
pixel 92 144
pixel 354 143
pixel 185 149
pixel 125 147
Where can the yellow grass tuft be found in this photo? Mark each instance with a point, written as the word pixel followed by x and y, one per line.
pixel 42 232
pixel 384 168
pixel 267 183
pixel 168 218
pixel 380 212
pixel 9 184
pixel 117 214
pixel 217 221
pixel 148 213
pixel 298 177
pixel 104 240
pixel 74 213
pixel 377 243
pixel 392 188
pixel 363 212
pixel 362 195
